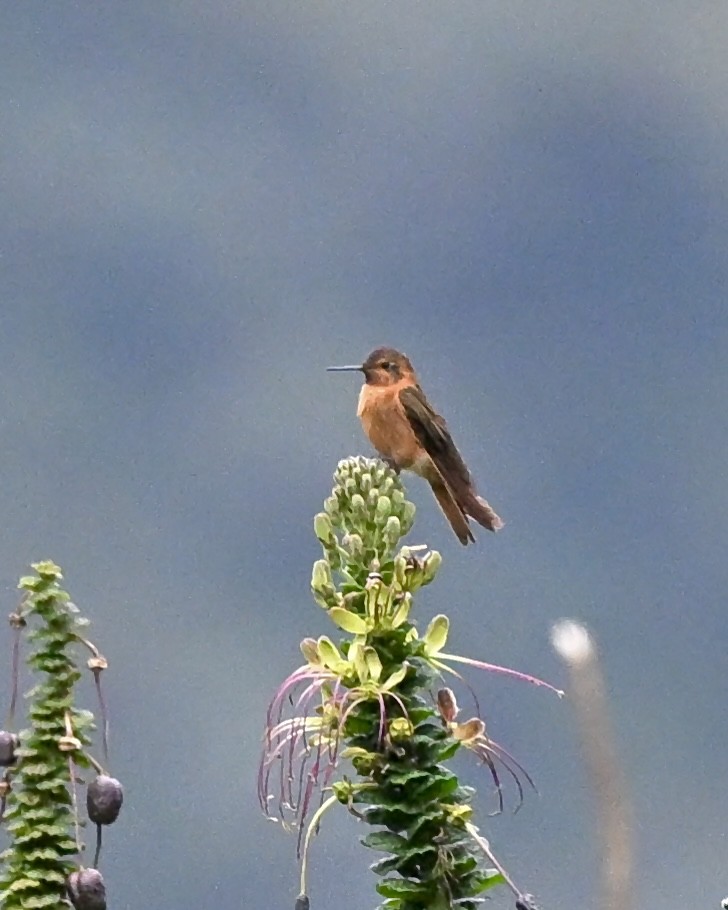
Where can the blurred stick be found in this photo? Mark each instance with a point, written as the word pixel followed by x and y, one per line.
pixel 575 646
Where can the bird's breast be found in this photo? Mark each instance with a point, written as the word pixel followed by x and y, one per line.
pixel 386 425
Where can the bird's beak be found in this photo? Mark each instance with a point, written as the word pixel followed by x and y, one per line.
pixel 354 368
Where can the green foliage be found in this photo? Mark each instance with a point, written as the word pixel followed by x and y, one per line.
pixel 40 817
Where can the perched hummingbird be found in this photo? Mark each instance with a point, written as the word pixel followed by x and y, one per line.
pixel 406 431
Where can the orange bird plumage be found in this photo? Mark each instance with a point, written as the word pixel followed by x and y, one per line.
pixel 408 433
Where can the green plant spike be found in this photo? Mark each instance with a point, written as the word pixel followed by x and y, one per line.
pixel 368 699
pixel 40 818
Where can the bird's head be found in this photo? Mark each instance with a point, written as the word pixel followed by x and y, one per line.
pixel 383 367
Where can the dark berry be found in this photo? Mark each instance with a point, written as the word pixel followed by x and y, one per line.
pixel 104 797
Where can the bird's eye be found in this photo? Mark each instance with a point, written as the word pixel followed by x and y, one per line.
pixel 387 365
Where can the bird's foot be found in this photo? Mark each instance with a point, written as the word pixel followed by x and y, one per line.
pixel 391 463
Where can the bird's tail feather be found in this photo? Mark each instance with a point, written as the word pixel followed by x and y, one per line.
pixel 482 512
pixel 453 511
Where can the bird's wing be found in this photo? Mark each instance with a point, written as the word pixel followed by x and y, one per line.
pixel 434 437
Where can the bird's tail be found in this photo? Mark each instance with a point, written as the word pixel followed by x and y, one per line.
pixel 482 512
pixel 452 510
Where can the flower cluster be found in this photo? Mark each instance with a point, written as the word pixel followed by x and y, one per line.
pixel 368 700
pixel 42 867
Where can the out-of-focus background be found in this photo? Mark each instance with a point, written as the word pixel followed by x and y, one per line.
pixel 204 205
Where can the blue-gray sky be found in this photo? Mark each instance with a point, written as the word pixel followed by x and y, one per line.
pixel 207 203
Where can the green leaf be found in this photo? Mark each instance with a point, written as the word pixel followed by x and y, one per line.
pixel 39 853
pixel 28 798
pixel 47 875
pixel 23 884
pixel 385 841
pixel 381 797
pixel 52 830
pixel 424 820
pixel 39 769
pixel 430 729
pixel 395 819
pixel 438 790
pixel 386 865
pixel 465 865
pixel 420 714
pixel 390 904
pixel 403 888
pixel 486 880
pixel 37 902
pixel 439 786
pixel 399 778
pixel 449 750
pixel 418 851
pixel 41 813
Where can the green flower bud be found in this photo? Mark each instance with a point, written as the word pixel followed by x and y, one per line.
pixel 400 570
pixel 431 566
pixel 392 530
pixel 412 572
pixel 354 545
pixel 364 762
pixel 383 509
pixel 397 498
pixel 386 486
pixel 344 468
pixel 459 814
pixel 309 649
pixel 331 507
pixel 400 729
pixel 321 580
pixel 342 790
pixel 383 469
pixel 358 506
pixel 47 570
pixel 365 484
pixel 322 528
pixel 408 516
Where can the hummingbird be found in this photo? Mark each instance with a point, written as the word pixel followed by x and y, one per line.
pixel 408 433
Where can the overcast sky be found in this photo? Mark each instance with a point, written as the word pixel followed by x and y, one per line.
pixel 205 204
